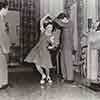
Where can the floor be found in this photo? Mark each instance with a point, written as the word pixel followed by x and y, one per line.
pixel 25 86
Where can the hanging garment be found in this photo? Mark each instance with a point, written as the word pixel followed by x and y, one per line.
pixel 74 21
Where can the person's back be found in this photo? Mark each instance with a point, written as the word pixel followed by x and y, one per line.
pixel 66 25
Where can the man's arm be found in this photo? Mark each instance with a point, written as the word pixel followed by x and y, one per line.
pixel 59 22
pixel 41 23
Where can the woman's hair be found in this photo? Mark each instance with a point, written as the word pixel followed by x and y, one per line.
pixel 48 18
pixel 3 4
pixel 49 23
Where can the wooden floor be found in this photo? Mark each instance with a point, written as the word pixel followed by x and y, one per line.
pixel 25 86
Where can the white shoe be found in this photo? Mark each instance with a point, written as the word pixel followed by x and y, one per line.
pixel 43 79
pixel 49 80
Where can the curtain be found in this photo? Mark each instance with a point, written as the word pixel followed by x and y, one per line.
pixel 92 12
pixel 74 20
pixel 53 7
pixel 92 56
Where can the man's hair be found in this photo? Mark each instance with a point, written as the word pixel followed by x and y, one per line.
pixel 62 15
pixel 3 4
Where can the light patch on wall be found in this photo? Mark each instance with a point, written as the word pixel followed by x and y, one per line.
pixel 53 7
pixel 13 19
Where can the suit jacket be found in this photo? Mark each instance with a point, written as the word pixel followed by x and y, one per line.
pixel 67 34
pixel 4 39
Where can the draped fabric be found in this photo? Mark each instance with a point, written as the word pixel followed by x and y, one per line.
pixel 74 21
pixel 53 7
pixel 92 55
pixel 92 69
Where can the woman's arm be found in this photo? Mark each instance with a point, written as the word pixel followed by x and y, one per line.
pixel 41 23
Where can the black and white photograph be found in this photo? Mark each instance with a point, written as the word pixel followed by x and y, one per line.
pixel 49 50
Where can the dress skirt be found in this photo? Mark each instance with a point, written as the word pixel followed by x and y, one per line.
pixel 40 55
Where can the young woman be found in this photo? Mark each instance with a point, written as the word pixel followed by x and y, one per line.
pixel 40 54
pixel 4 45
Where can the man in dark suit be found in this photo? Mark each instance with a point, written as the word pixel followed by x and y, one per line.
pixel 63 20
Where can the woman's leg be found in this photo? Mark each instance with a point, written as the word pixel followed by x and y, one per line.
pixel 48 75
pixel 47 72
pixel 40 70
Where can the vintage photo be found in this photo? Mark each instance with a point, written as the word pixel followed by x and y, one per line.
pixel 49 49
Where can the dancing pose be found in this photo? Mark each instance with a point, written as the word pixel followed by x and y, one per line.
pixel 40 54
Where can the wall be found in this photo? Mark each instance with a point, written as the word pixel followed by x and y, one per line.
pixel 13 19
pixel 99 8
pixel 53 7
pixel 92 11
